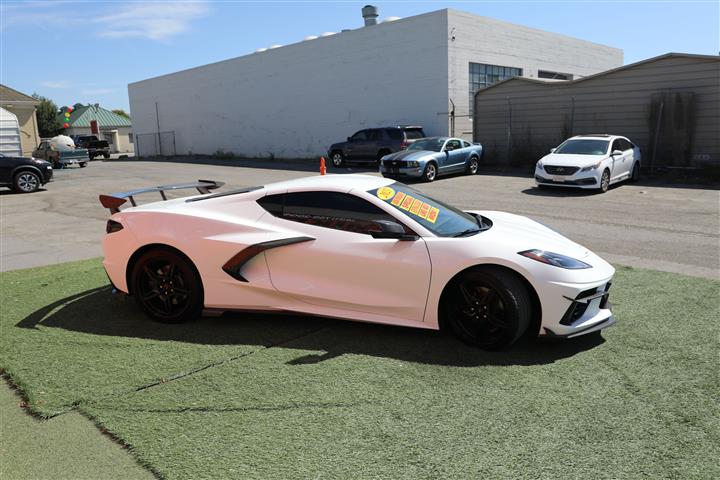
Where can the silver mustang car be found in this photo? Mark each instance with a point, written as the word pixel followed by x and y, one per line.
pixel 429 157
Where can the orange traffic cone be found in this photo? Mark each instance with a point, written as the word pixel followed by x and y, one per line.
pixel 322 166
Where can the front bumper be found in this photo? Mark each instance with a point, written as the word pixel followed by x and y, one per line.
pixel 414 172
pixel 580 179
pixel 583 309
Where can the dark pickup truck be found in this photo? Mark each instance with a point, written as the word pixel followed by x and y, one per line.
pixel 93 145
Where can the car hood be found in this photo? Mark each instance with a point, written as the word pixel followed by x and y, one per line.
pixel 409 155
pixel 571 160
pixel 521 233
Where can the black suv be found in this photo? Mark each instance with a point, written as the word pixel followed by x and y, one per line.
pixel 371 144
pixel 24 175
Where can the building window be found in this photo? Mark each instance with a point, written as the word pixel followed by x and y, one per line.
pixel 130 139
pixel 482 75
pixel 554 75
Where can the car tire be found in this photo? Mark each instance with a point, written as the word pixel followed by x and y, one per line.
pixel 106 156
pixel 337 159
pixel 635 175
pixel 605 181
pixel 83 164
pixel 473 166
pixel 167 286
pixel 430 172
pixel 487 307
pixel 26 182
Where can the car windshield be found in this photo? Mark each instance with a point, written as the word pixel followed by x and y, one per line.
pixel 440 218
pixel 583 147
pixel 429 144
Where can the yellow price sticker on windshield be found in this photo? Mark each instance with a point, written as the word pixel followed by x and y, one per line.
pixel 407 201
pixel 433 214
pixel 415 208
pixel 385 193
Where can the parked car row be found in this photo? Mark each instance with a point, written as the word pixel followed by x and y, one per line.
pixel 584 161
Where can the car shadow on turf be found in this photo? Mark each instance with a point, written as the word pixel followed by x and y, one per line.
pixel 98 312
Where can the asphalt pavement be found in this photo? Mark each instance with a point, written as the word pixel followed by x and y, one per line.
pixel 672 228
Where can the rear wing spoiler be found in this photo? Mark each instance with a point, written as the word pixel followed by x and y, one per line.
pixel 115 200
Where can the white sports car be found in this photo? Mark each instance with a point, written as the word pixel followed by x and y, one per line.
pixel 355 247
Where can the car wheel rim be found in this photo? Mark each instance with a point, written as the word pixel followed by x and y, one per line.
pixel 164 289
pixel 473 167
pixel 481 313
pixel 27 182
pixel 337 160
pixel 430 175
pixel 605 182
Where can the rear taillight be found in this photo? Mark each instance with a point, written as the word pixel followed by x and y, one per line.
pixel 113 226
pixel 403 145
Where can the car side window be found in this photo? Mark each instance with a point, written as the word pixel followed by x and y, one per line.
pixel 359 136
pixel 465 144
pixel 394 134
pixel 626 145
pixel 616 146
pixel 453 144
pixel 335 210
pixel 372 135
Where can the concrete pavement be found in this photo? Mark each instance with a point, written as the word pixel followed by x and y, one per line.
pixel 676 229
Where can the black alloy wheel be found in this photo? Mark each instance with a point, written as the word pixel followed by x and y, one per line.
pixel 605 181
pixel 167 287
pixel 489 308
pixel 26 182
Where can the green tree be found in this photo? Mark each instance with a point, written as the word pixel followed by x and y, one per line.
pixel 121 112
pixel 47 117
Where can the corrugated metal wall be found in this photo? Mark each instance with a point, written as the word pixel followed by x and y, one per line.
pixel 676 95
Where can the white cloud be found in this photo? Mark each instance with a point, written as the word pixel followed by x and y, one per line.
pixel 155 21
pixel 55 84
pixel 97 91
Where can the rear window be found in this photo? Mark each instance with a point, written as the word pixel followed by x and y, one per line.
pixel 414 134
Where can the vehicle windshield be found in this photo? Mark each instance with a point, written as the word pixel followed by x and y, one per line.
pixel 440 218
pixel 429 144
pixel 583 147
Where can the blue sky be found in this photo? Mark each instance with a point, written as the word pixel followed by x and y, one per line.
pixel 88 51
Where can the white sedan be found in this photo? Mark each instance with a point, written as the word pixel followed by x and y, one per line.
pixel 354 247
pixel 590 161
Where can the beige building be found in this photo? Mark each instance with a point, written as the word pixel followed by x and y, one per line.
pixel 668 105
pixel 114 128
pixel 23 107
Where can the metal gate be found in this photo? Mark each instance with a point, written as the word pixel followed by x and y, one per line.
pixel 161 144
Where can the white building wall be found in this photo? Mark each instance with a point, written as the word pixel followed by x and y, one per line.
pixel 485 40
pixel 296 100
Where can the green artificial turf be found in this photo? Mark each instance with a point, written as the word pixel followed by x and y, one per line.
pixel 65 447
pixel 253 396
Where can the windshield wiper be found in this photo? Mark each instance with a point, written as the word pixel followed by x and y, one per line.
pixel 469 231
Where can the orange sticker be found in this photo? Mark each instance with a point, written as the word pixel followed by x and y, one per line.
pixel 398 198
pixel 415 208
pixel 407 201
pixel 432 215
pixel 424 210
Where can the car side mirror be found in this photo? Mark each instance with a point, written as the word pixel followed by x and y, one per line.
pixel 390 229
pixel 616 152
pixel 552 150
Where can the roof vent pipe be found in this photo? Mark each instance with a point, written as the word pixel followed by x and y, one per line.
pixel 370 14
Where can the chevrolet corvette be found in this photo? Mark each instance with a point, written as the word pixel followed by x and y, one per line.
pixel 353 247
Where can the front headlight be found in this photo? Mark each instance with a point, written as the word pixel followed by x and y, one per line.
pixel 413 164
pixel 554 259
pixel 540 165
pixel 592 167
